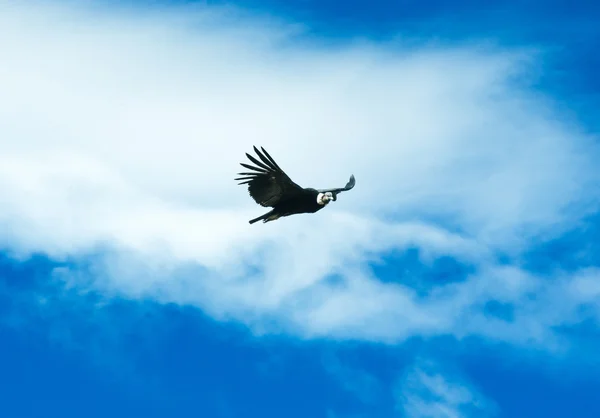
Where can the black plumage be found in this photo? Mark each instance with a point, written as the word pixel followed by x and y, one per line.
pixel 270 186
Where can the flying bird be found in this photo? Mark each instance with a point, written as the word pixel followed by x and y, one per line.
pixel 270 186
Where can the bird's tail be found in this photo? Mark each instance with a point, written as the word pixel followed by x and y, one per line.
pixel 260 218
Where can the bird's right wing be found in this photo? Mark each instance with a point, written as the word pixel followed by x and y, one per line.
pixel 268 184
pixel 349 186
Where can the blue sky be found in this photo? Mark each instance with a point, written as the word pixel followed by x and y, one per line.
pixel 458 279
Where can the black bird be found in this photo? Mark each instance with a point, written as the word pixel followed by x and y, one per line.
pixel 269 186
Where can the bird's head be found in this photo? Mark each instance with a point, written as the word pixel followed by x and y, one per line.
pixel 325 198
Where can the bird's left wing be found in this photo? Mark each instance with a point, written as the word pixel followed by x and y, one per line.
pixel 268 184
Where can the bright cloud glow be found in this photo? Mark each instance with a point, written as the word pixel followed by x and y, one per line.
pixel 122 133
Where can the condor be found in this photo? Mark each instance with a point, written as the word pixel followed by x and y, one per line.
pixel 270 186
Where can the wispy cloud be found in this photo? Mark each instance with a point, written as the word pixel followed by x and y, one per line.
pixel 427 392
pixel 362 385
pixel 122 132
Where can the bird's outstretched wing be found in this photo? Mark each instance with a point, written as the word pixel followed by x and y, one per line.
pixel 347 187
pixel 268 184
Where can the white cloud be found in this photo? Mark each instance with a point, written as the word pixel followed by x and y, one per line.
pixel 426 392
pixel 123 131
